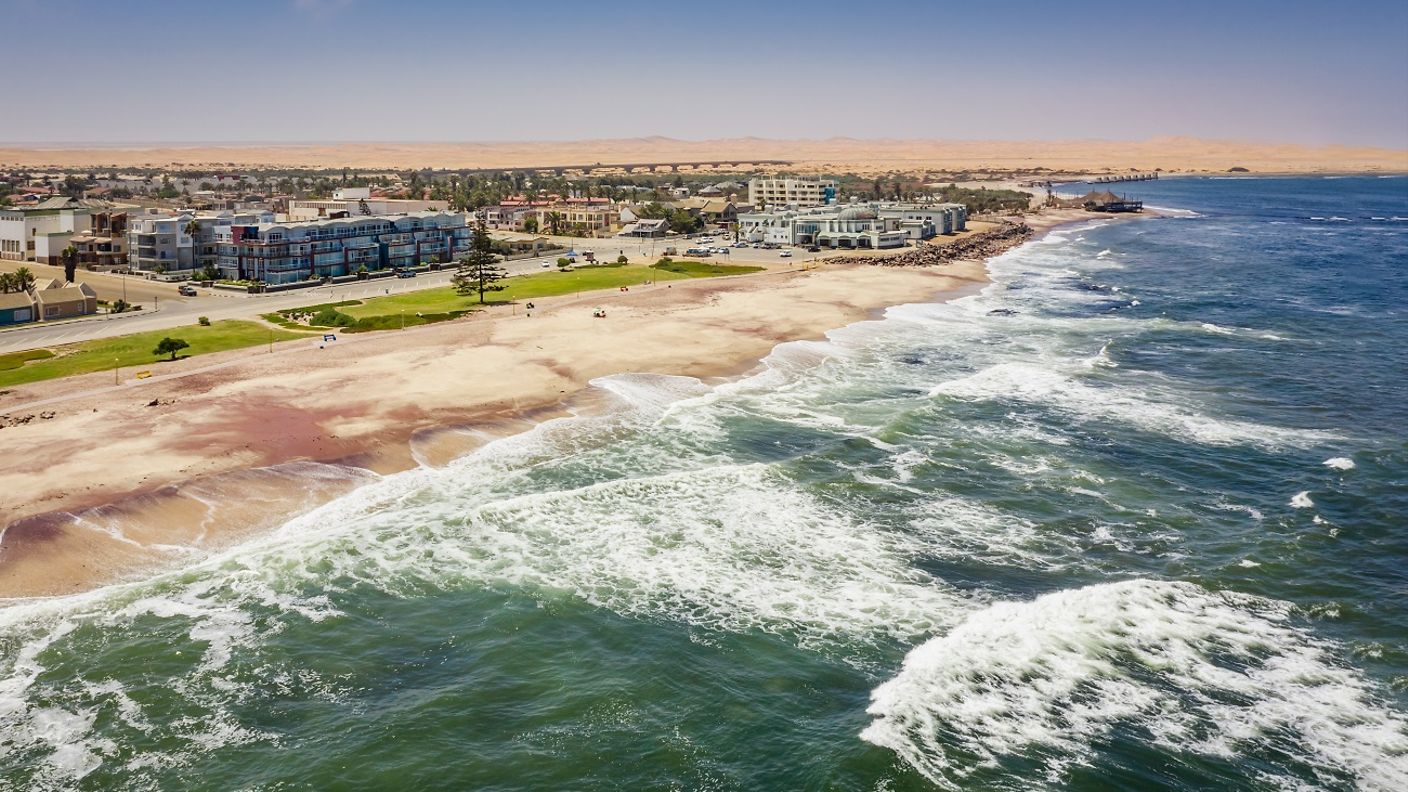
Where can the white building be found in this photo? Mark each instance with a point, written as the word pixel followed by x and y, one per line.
pixel 796 193
pixel 358 201
pixel 41 232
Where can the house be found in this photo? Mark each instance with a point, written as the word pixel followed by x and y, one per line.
pixel 714 211
pixel 55 300
pixel 646 228
pixel 16 308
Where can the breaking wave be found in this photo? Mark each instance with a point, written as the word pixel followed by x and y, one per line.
pixel 1030 689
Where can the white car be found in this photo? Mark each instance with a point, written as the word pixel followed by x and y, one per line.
pixel 785 254
pixel 547 265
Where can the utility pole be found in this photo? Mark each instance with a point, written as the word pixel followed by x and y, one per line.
pixel 114 371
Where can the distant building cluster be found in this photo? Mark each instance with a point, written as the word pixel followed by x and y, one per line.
pixel 284 239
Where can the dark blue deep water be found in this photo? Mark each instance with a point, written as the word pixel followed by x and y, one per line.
pixel 1131 518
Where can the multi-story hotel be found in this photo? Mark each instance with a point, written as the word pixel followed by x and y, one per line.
pixel 294 251
pixel 796 193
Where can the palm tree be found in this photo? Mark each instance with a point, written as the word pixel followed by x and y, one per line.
pixel 23 278
pixel 7 283
pixel 70 259
pixel 192 229
pixel 554 222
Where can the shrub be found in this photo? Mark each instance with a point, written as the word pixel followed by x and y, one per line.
pixel 331 317
pixel 204 321
pixel 621 260
pixel 564 262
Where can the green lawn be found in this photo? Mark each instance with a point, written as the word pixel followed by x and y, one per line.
pixel 438 305
pixel 136 350
pixel 702 269
pixel 443 303
pixel 16 359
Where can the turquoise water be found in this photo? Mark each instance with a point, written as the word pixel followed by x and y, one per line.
pixel 1133 517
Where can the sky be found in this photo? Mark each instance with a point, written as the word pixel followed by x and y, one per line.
pixel 144 71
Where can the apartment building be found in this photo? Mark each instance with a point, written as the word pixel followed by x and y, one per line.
pixel 104 245
pixel 579 219
pixel 292 251
pixel 163 242
pixel 796 193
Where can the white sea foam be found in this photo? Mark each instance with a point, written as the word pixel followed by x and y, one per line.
pixel 1301 500
pixel 1041 683
pixel 1339 463
pixel 1035 384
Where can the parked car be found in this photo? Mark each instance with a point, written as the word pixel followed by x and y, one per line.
pixel 547 265
pixel 785 254
pixel 406 274
pixel 187 290
pixel 813 249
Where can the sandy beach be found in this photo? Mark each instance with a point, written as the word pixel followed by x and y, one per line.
pixel 834 155
pixel 125 479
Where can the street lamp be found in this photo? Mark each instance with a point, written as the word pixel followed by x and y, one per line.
pixel 403 318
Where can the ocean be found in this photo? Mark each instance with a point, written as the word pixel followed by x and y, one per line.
pixel 1132 517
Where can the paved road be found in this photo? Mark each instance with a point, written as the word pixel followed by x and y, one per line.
pixel 163 308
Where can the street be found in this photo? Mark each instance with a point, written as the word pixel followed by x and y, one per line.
pixel 163 307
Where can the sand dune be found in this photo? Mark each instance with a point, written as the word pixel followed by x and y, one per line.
pixel 835 154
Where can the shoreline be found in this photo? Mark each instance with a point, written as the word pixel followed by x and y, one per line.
pixel 237 446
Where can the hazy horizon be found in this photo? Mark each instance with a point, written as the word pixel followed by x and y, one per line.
pixel 299 72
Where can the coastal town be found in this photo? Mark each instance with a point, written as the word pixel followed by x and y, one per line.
pixel 126 298
pixel 225 234
pixel 903 396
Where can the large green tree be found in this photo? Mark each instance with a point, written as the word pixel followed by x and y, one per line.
pixel 479 271
pixel 169 346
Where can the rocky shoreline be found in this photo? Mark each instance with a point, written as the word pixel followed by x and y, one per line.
pixel 979 246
